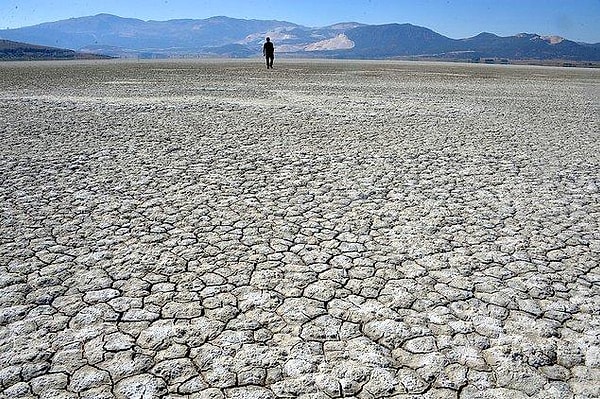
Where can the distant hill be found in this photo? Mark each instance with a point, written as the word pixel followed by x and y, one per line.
pixel 395 40
pixel 229 37
pixel 15 51
pixel 529 46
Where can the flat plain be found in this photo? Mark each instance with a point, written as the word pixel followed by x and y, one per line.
pixel 325 229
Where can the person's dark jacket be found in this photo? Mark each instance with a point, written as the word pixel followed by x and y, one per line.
pixel 268 49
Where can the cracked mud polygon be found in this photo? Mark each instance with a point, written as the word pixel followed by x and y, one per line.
pixel 211 229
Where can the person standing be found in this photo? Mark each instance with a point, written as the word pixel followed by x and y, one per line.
pixel 269 52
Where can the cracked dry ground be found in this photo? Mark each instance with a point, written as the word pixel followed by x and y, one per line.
pixel 322 230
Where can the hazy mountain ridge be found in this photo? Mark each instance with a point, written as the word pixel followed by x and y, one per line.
pixel 223 36
pixel 10 50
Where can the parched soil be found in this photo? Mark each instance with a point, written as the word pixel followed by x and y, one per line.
pixel 325 229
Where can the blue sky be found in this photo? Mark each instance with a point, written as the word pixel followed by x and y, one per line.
pixel 574 19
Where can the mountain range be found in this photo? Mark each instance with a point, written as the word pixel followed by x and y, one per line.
pixel 110 35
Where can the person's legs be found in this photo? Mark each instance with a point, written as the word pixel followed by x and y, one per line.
pixel 270 60
pixel 267 58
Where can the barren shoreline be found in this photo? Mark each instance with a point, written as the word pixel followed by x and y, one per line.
pixel 211 229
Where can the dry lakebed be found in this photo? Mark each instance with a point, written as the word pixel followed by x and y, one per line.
pixel 325 229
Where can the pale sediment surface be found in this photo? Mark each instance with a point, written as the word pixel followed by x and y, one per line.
pixel 321 230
